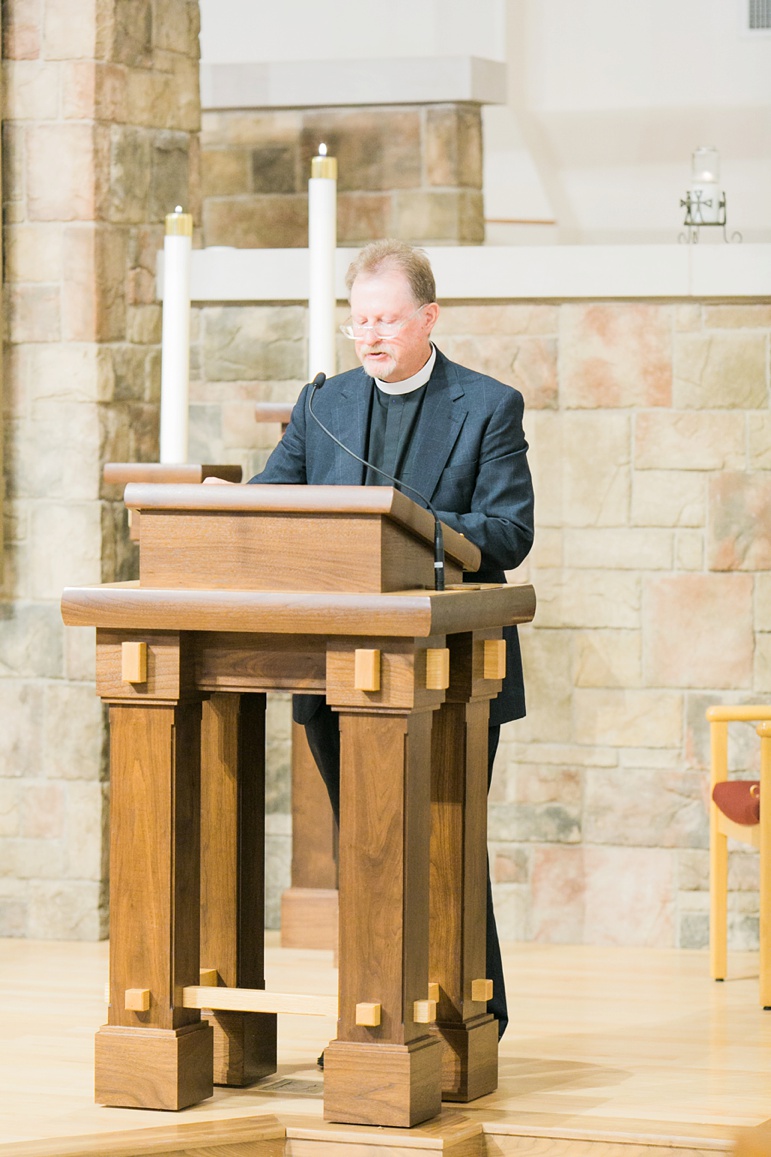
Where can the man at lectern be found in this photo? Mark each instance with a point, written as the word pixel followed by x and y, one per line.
pixel 453 436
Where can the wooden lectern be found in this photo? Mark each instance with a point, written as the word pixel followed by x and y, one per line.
pixel 244 590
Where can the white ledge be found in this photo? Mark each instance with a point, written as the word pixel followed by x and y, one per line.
pixel 542 272
pixel 321 83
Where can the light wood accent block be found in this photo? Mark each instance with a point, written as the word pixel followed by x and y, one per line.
pixel 257 1000
pixel 495 658
pixel 368 1014
pixel 137 999
pixel 433 991
pixel 482 990
pixel 424 1011
pixel 207 977
pixel 366 670
pixel 437 668
pixel 133 662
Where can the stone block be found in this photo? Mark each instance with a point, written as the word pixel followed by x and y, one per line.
pixel 608 658
pixel 596 486
pixel 266 222
pixel 510 865
pixel 255 342
pixel 537 784
pixel 94 307
pixel 759 439
pixel 453 145
pixel 133 32
pixel 619 548
pixel 646 808
pixel 743 870
pixel 30 90
pixel 65 38
pixel 547 665
pixel 628 717
pixel 67 910
pixel 699 631
pixel 693 870
pixel 67 373
pixel 547 551
pixel 144 324
pixel 552 823
pixel 362 217
pixel 46 466
pixel 630 896
pixel 30 647
pixel 11 794
pixel 376 148
pixel 689 441
pixel 80 653
pixel 615 355
pixel 173 28
pixel 65 547
pixel 527 363
pixel 22 30
pixel 33 253
pixel 71 197
pixel 169 173
pixel 14 167
pixel 693 930
pixel 87 842
pixel 589 599
pixel 558 884
pixel 512 903
pixel 74 733
pixel 669 498
pixel 42 810
pixel 739 527
pixel 13 916
pixel 497 318
pixel 130 174
pixel 763 602
pixel 720 371
pixel 689 550
pixel 278 858
pixel 762 664
pixel 745 316
pixel 32 313
pixel 687 317
pixel 225 172
pixel 273 168
pixel 435 217
pixel 94 89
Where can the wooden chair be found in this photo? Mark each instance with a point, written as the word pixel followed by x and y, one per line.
pixel 757 835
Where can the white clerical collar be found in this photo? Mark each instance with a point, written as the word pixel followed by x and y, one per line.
pixel 409 384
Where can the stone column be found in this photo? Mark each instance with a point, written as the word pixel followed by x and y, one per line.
pixel 100 113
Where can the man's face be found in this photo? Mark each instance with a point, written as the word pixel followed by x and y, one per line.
pixel 386 297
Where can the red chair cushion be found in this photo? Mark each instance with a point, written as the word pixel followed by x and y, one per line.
pixel 739 800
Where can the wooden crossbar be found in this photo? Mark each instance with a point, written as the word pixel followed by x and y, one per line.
pixel 221 998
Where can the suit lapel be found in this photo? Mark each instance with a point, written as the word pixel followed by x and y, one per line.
pixel 441 419
pixel 349 424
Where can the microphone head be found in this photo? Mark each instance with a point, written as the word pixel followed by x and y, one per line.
pixel 319 380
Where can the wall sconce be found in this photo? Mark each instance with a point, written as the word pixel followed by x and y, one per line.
pixel 705 202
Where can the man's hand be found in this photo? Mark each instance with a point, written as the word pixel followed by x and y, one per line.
pixel 219 481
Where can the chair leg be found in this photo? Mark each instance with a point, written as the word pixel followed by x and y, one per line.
pixel 764 731
pixel 718 859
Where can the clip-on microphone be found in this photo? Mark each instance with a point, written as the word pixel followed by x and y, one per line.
pixel 317 383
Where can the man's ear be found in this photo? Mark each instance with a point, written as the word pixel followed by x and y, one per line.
pixel 431 315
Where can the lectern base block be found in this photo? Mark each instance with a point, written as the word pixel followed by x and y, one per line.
pixel 382 1084
pixel 244 1046
pixel 469 1059
pixel 153 1068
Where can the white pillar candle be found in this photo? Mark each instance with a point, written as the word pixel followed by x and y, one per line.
pixel 175 336
pixel 322 243
pixel 705 187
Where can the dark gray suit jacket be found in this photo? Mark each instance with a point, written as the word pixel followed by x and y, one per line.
pixel 469 459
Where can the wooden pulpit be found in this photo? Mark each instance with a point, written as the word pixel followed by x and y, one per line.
pixel 242 591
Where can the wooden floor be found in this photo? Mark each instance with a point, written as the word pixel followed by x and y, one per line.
pixel 612 1051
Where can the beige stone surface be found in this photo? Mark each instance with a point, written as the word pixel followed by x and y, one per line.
pixel 33 252
pixel 619 548
pixel 762 602
pixel 527 363
pixel 720 371
pixel 72 196
pixel 594 457
pixel 30 90
pixel 646 809
pixel 628 716
pixel 453 145
pixel 588 598
pixel 615 355
pixel 489 318
pixel 699 631
pixel 265 222
pixel 629 896
pixel 739 528
pixel 21 30
pixel 672 440
pixel 439 216
pixel 738 316
pixel 608 658
pixel 558 884
pixel 759 439
pixel 669 498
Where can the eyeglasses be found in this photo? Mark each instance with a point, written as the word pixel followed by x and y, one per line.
pixel 380 329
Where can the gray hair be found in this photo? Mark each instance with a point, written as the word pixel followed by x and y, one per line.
pixel 381 256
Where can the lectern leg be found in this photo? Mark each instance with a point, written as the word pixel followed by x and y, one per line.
pixel 384 1068
pixel 153 1053
pixel 459 897
pixel 233 879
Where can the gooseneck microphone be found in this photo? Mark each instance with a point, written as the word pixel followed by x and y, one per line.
pixel 316 384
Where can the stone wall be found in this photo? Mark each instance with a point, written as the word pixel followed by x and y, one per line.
pixel 100 109
pixel 407 171
pixel 650 431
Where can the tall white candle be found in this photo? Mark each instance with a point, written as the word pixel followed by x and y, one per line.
pixel 322 243
pixel 175 336
pixel 705 187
